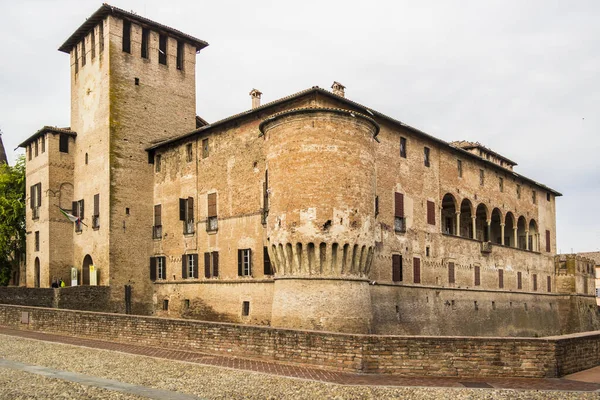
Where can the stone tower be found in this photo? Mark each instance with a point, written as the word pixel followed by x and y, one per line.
pixel 132 84
pixel 3 158
pixel 320 225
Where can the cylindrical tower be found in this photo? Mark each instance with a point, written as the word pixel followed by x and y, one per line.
pixel 320 224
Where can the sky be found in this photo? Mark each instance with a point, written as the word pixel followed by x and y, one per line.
pixel 520 77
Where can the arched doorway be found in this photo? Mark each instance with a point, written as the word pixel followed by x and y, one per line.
pixel 521 227
pixel 495 228
pixel 449 215
pixel 533 236
pixel 85 273
pixel 466 220
pixel 36 272
pixel 481 223
pixel 509 228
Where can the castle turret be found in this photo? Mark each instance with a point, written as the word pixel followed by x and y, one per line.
pixel 320 224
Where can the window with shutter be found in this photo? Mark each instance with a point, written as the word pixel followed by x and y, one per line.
pixel 399 220
pixel 396 268
pixel 157 229
pixel 477 275
pixel 212 223
pixel 188 225
pixel 244 262
pixel 63 144
pixel 161 267
pixel 548 247
pixel 430 212
pixel 96 216
pixel 451 278
pixel 534 282
pixel 549 284
pixel 266 262
pixel 519 280
pixel 145 41
pixel 126 36
pixel 501 278
pixel 417 270
pixel 426 156
pixel 162 49
pixel 215 264
pixel 207 265
pixel 182 209
pixel 180 48
pixel 403 147
pixel 184 269
pixel 152 268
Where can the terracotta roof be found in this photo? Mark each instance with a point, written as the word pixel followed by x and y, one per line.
pixel 365 110
pixel 45 129
pixel 465 144
pixel 3 158
pixel 107 9
pixel 594 255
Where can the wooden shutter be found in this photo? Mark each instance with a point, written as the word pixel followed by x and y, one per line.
pixel 430 212
pixel 152 268
pixel 519 280
pixel 81 213
pixel 549 281
pixel 39 194
pixel 240 262
pixel 190 209
pixel 212 205
pixel 417 270
pixel 477 276
pixel 266 262
pixel 534 282
pixel 396 268
pixel 158 215
pixel 196 266
pixel 399 205
pixel 96 204
pixel 249 262
pixel 215 255
pixel 451 278
pixel 548 241
pixel 32 196
pixel 74 208
pixel 182 209
pixel 184 266
pixel 207 265
pixel 501 278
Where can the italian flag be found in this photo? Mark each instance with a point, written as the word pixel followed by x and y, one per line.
pixel 71 217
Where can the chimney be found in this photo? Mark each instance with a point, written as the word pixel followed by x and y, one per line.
pixel 338 89
pixel 255 94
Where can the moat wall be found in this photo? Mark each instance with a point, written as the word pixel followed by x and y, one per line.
pixel 403 355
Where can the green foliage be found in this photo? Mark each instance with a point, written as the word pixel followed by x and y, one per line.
pixel 12 218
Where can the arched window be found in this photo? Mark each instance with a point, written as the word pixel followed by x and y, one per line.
pixel 481 223
pixel 521 237
pixel 449 215
pixel 87 261
pixel 36 272
pixel 509 226
pixel 466 220
pixel 495 229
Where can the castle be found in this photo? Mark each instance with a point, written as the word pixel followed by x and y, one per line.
pixel 309 212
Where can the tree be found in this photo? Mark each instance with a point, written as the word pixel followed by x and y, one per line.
pixel 12 218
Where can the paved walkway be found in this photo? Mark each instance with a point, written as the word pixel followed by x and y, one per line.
pixel 586 381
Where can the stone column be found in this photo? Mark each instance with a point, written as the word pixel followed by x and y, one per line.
pixel 458 223
pixel 515 237
pixel 526 240
pixel 488 228
pixel 474 233
pixel 502 234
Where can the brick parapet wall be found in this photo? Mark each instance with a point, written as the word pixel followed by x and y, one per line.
pixel 403 355
pixel 87 298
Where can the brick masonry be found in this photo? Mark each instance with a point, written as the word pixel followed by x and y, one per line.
pixel 403 355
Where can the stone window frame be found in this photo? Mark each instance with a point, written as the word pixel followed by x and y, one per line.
pixel 245 262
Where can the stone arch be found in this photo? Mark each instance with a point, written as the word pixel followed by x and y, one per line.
pixel 495 226
pixel 534 236
pixel 36 272
pixel 481 218
pixel 449 209
pixel 466 219
pixel 521 235
pixel 85 269
pixel 509 229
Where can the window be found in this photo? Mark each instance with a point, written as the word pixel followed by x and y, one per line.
pixel 204 148
pixel 265 212
pixel 165 305
pixel 245 308
pixel 501 184
pixel 548 198
pixel 29 152
pixel 101 34
pixel 477 273
pixel 244 262
pixel 83 53
pixel 376 205
pixel 76 57
pixel 403 147
pixel 189 152
pixel 127 36
pixel 180 47
pixel 430 212
pixel 396 268
pixel 186 214
pixel 189 266
pixel 481 177
pixel 96 215
pixel 548 247
pixel 519 280
pixel 35 200
pixel 63 144
pixel 518 191
pixel 157 163
pixel 549 284
pixel 36 147
pixel 459 167
pixel 426 159
pixel 136 81
pixel 416 270
pixel 399 220
pixel 145 41
pixel 162 49
pixel 427 251
pixel 268 269
pixel 451 276
pixel 212 221
pixel 93 42
pixel 77 209
pixel 37 240
pixel 157 228
pixel 211 264
pixel 158 268
pixel 533 197
pixel 86 158
pixel 534 282
pixel 501 278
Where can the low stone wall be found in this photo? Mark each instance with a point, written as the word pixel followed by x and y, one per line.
pixel 403 355
pixel 88 298
pixel 36 297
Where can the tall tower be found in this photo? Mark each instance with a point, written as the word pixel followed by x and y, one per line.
pixel 3 158
pixel 132 84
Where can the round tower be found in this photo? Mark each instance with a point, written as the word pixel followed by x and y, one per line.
pixel 320 224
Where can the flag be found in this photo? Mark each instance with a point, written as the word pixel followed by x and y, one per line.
pixel 71 217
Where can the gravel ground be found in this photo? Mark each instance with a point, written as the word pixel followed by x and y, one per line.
pixel 202 381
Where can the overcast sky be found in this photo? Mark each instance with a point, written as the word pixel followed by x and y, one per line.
pixel 521 77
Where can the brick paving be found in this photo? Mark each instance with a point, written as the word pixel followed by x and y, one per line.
pixel 309 373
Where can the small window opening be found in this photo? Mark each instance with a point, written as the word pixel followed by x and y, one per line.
pixel 403 147
pixel 145 40
pixel 186 304
pixel 86 158
pixel 137 81
pixel 83 55
pixel 427 251
pixel 481 177
pixel 127 36
pixel 493 305
pixel 189 152
pixel 204 148
pixel 426 154
pixel 245 308
pixel 459 167
pixel 63 144
pixel 547 194
pixel 162 49
pixel 157 162
pixel 165 305
pixel 180 48
pixel 93 40
pixel 127 211
pixel 501 184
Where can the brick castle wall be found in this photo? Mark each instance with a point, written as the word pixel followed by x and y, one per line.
pixel 405 355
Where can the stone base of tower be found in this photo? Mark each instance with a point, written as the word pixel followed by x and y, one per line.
pixel 325 304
